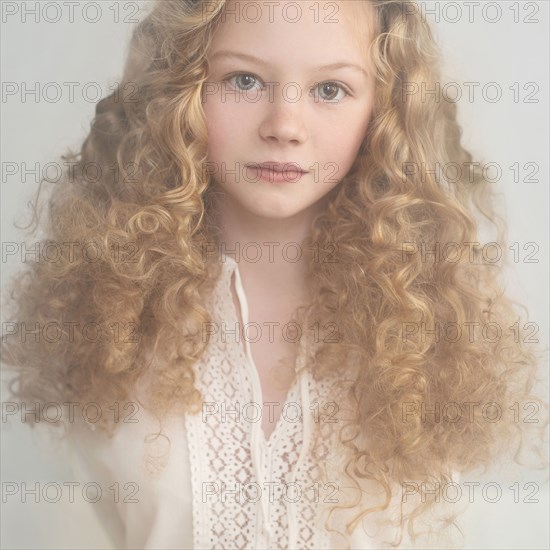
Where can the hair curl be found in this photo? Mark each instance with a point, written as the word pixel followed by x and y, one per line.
pixel 148 145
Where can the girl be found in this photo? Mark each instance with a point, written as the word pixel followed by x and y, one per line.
pixel 285 353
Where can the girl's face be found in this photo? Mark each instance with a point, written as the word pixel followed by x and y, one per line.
pixel 278 91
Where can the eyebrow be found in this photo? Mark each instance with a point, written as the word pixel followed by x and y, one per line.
pixel 332 67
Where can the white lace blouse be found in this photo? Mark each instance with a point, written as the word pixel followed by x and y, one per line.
pixel 221 484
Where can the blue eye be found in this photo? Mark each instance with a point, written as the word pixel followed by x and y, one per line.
pixel 332 87
pixel 246 76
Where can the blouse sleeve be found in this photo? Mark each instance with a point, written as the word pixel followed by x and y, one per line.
pixel 144 481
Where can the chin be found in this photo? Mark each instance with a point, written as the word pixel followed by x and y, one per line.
pixel 272 212
pixel 270 208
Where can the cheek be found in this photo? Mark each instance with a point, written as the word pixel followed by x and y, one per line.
pixel 357 129
pixel 217 131
pixel 224 128
pixel 344 144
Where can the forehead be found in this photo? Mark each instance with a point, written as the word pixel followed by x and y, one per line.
pixel 291 30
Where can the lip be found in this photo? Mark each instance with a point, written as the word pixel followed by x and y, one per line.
pixel 277 172
pixel 275 166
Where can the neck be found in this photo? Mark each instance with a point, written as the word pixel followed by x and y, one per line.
pixel 270 252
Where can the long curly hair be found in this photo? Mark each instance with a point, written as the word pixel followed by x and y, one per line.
pixel 138 194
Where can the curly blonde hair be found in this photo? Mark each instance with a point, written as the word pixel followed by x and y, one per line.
pixel 148 144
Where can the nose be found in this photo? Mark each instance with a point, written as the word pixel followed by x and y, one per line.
pixel 283 121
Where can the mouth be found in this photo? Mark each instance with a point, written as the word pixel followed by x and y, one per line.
pixel 277 172
pixel 279 167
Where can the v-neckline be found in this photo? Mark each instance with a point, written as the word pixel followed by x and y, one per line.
pixel 246 355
